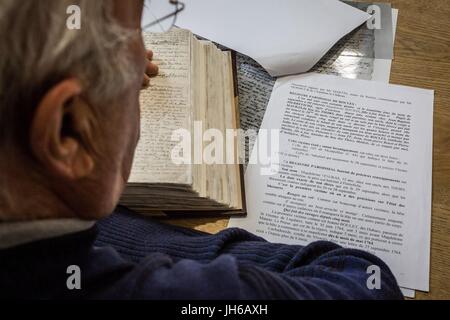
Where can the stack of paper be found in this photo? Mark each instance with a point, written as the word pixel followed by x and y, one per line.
pixel 354 168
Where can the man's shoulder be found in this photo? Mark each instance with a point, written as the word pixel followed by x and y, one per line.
pixel 59 267
pixel 72 266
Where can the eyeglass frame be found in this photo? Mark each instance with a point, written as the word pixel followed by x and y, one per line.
pixel 179 6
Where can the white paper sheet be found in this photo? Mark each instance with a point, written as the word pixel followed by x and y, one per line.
pixel 409 293
pixel 380 194
pixel 285 37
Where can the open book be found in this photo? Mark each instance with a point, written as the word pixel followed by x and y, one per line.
pixel 194 93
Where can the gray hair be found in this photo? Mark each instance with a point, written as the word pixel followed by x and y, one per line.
pixel 37 50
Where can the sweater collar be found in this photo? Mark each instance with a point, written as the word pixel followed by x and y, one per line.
pixel 17 233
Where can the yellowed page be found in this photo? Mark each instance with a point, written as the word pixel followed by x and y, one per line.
pixel 165 107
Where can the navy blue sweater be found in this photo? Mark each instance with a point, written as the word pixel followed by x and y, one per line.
pixel 127 256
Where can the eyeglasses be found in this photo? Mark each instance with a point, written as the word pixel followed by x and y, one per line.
pixel 168 12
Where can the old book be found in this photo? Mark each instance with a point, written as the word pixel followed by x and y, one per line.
pixel 193 93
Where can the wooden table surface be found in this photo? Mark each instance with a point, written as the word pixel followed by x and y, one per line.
pixel 422 59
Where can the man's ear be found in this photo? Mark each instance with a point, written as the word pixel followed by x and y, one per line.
pixel 61 125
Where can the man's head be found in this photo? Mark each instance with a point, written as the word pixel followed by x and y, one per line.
pixel 69 107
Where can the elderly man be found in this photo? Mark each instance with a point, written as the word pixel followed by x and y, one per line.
pixel 69 122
